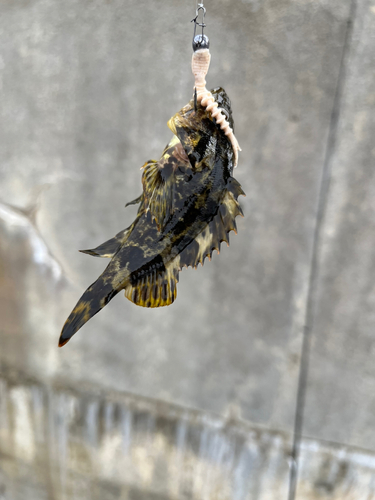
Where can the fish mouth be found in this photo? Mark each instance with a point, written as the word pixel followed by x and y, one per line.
pixel 195 128
pixel 185 116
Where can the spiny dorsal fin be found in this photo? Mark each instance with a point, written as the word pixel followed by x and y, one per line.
pixel 156 289
pixel 110 247
pixel 235 187
pixel 216 231
pixel 158 192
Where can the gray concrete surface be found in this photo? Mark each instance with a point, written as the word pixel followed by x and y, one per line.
pixel 70 444
pixel 86 91
pixel 341 389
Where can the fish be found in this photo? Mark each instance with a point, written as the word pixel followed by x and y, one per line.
pixel 187 208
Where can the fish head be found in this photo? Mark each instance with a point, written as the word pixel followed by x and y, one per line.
pixel 200 136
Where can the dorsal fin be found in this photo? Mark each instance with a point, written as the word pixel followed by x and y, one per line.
pixel 156 289
pixel 235 187
pixel 216 231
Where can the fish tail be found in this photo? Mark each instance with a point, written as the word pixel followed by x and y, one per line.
pixel 92 301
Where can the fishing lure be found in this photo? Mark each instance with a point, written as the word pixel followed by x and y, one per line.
pixel 187 208
pixel 200 63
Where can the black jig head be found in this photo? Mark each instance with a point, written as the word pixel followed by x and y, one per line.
pixel 200 41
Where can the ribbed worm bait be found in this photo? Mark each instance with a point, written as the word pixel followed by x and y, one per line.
pixel 200 64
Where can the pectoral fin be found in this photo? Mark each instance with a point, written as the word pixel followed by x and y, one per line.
pixel 158 189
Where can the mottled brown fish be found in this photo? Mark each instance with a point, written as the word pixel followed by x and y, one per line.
pixel 187 208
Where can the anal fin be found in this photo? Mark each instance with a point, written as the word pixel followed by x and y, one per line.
pixel 156 289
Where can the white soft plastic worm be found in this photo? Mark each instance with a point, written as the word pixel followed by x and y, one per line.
pixel 200 64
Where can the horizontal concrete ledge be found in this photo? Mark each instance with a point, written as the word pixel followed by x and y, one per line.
pixel 94 441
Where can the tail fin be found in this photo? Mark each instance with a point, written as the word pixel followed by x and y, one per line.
pixel 92 301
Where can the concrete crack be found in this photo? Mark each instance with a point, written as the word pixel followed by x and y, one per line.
pixel 314 264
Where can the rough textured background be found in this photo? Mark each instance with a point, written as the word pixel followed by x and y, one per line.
pixel 66 444
pixel 86 90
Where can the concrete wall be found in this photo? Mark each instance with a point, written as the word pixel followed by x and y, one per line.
pixel 86 90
